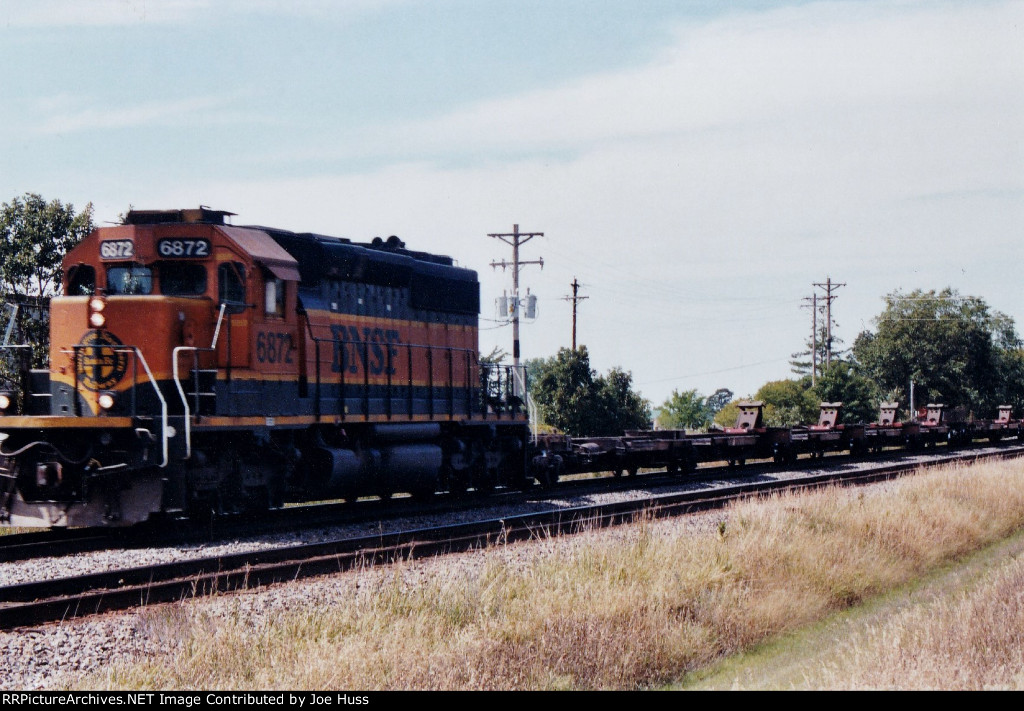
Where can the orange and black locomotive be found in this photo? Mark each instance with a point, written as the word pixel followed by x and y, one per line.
pixel 197 364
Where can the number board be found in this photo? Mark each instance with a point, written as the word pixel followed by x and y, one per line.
pixel 117 249
pixel 183 248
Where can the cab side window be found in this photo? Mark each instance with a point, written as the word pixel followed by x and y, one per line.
pixel 81 280
pixel 274 289
pixel 231 283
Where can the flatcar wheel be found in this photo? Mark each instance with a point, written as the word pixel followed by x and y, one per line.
pixel 617 473
pixel 672 467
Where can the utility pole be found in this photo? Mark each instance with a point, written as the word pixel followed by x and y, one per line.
pixel 813 299
pixel 829 287
pixel 574 299
pixel 516 238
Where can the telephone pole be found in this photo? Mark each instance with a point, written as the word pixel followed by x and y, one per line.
pixel 829 287
pixel 813 299
pixel 574 299
pixel 516 238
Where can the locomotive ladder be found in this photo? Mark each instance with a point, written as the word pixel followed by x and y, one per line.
pixel 177 377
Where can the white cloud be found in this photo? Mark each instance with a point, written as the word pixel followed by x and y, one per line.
pixel 812 64
pixel 66 114
pixel 104 13
pixel 95 13
pixel 700 196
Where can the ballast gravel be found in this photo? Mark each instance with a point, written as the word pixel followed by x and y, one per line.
pixel 56 656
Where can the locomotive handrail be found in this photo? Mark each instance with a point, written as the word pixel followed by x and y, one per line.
pixel 137 352
pixel 450 354
pixel 10 324
pixel 519 375
pixel 164 436
pixel 177 378
pixel 22 387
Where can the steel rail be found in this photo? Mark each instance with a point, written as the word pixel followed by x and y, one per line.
pixel 53 600
pixel 61 542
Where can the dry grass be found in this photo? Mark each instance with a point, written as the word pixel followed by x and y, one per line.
pixel 971 641
pixel 614 610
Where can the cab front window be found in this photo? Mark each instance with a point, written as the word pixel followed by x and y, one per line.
pixel 132 279
pixel 182 279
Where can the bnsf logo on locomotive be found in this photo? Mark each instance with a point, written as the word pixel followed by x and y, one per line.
pixel 103 362
pixel 376 349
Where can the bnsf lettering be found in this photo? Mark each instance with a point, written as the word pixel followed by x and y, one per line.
pixel 274 347
pixel 375 349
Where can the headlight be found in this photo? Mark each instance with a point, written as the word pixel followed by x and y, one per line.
pixel 96 306
pixel 105 400
pixel 5 401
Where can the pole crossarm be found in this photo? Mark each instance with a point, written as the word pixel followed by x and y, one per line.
pixel 515 239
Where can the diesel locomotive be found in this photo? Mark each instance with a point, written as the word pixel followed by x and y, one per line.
pixel 197 365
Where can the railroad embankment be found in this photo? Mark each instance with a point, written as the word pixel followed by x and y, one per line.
pixel 635 607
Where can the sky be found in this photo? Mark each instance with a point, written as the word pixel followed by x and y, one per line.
pixel 696 165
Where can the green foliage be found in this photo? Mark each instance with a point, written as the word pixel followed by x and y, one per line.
pixel 726 417
pixel 788 402
pixel 719 399
pixel 573 398
pixel 684 410
pixel 497 355
pixel 842 383
pixel 955 349
pixel 34 237
pixel 691 410
pixel 803 362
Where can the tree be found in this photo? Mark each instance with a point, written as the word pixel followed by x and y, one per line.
pixel 34 237
pixel 718 400
pixel 726 417
pixel 691 410
pixel 842 383
pixel 788 402
pixel 803 363
pixel 954 348
pixel 621 407
pixel 684 410
pixel 572 397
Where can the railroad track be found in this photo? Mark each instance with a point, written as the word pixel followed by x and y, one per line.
pixel 53 600
pixel 167 532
